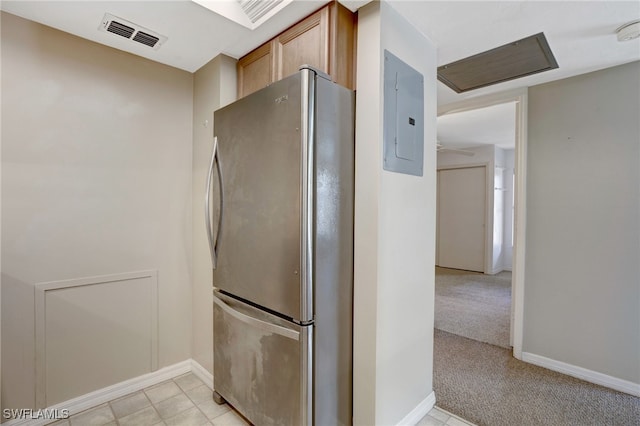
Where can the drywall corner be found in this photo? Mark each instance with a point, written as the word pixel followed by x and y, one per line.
pixel 367 186
pixel 214 85
pixel 394 234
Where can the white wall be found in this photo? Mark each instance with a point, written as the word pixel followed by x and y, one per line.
pixel 394 235
pixel 582 291
pixel 509 157
pixel 214 85
pixel 499 246
pixel 0 225
pixel 96 180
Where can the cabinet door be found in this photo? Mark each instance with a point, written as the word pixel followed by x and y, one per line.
pixel 255 70
pixel 307 42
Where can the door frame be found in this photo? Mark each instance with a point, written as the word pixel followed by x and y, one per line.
pixel 520 97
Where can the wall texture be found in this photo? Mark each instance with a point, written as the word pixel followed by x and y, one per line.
pixel 582 292
pixel 96 180
pixel 394 235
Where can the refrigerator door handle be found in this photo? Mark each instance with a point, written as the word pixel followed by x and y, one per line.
pixel 308 193
pixel 214 247
pixel 254 322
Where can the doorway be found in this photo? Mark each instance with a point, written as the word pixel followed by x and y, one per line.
pixel 514 217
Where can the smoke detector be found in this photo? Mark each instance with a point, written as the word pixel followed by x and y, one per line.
pixel 629 31
pixel 134 32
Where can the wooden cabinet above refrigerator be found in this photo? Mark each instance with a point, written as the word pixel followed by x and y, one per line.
pixel 325 40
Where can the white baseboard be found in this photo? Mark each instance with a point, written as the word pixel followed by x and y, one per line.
pixel 420 411
pixel 202 373
pixel 95 398
pixel 584 374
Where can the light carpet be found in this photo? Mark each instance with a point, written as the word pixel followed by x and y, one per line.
pixel 474 305
pixel 484 384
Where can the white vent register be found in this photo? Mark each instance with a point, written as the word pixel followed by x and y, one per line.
pixel 129 30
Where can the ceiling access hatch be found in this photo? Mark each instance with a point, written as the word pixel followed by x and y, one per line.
pixel 517 59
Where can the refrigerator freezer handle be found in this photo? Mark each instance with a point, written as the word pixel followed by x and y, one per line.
pixel 266 326
pixel 214 246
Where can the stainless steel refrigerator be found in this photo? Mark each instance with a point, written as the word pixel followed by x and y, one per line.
pixel 280 221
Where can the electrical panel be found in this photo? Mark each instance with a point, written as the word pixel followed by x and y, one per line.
pixel 403 121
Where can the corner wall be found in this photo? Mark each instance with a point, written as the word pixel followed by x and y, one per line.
pixel 394 237
pixel 0 224
pixel 96 181
pixel 214 86
pixel 582 291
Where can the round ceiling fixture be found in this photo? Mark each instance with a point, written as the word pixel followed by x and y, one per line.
pixel 629 31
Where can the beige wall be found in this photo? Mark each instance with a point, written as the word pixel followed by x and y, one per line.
pixel 214 85
pixel 394 235
pixel 0 223
pixel 582 292
pixel 96 180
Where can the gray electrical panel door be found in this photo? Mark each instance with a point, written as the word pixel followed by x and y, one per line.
pixel 403 123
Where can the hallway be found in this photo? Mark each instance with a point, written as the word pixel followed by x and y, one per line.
pixel 477 377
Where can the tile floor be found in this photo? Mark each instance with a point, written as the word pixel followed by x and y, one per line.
pixel 186 400
pixel 440 417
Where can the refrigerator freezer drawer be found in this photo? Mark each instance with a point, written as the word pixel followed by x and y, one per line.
pixel 261 363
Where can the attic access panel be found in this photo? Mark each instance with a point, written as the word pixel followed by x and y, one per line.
pixel 520 58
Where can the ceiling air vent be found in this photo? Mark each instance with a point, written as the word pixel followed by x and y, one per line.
pixel 131 31
pixel 120 29
pixel 145 38
pixel 517 59
pixel 256 9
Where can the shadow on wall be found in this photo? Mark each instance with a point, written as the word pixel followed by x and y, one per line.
pixel 18 343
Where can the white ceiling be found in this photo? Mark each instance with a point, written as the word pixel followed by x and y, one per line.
pixel 195 34
pixel 494 125
pixel 581 34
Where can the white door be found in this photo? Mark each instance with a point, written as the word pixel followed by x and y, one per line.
pixel 461 218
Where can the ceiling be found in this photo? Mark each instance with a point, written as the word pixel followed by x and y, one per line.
pixel 581 34
pixel 195 35
pixel 494 125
